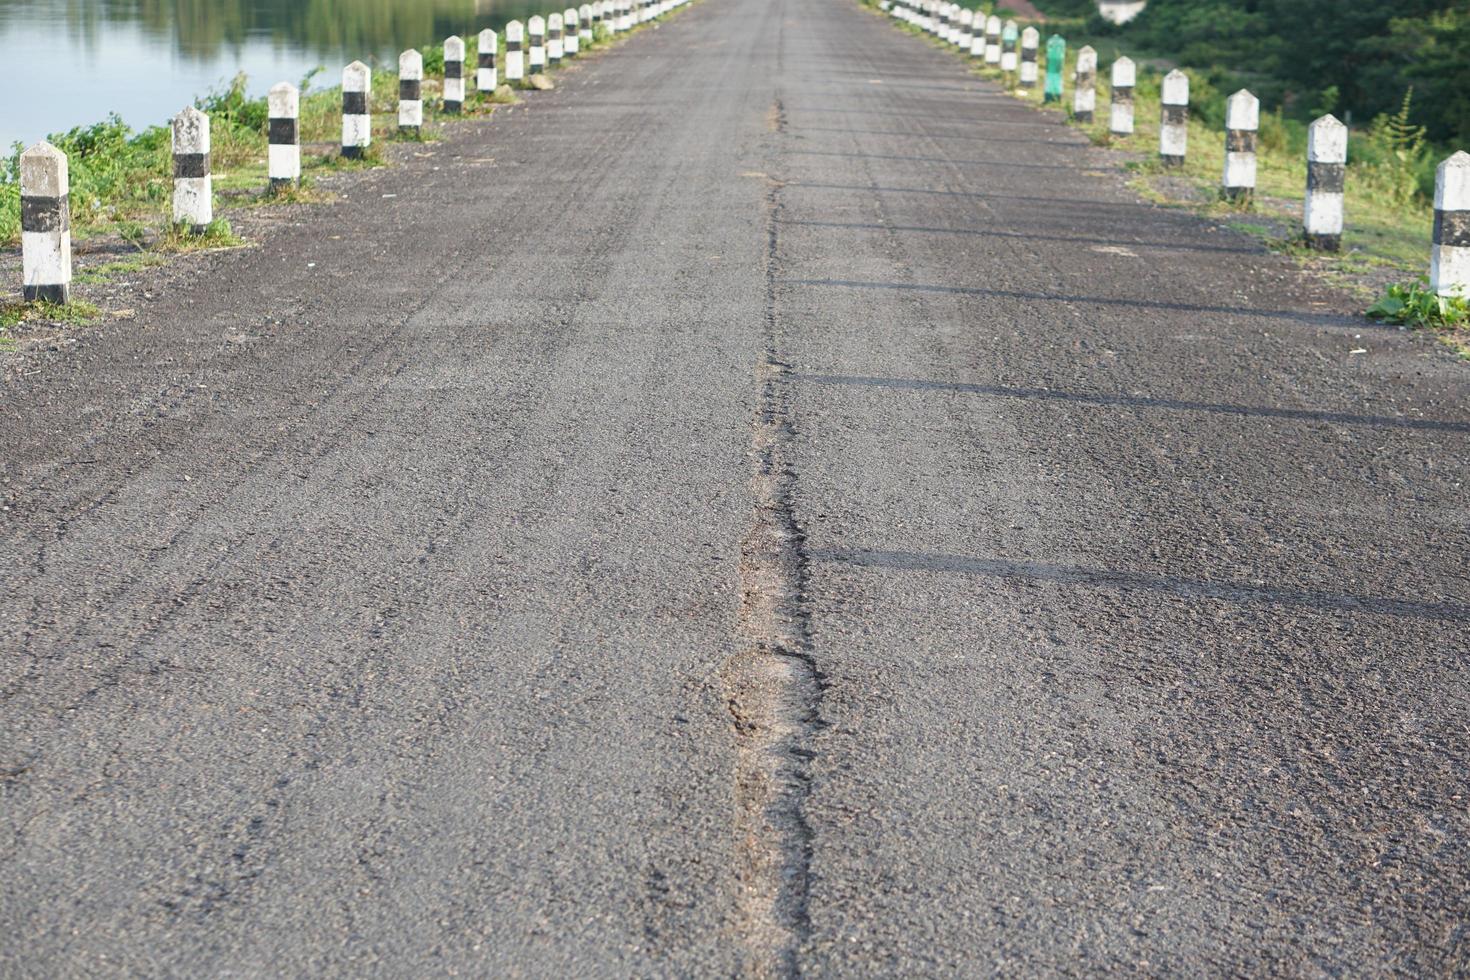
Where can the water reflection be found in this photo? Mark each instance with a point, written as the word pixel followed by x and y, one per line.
pixel 146 58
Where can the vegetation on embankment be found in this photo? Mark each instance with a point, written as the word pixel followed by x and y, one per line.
pixel 1388 197
pixel 1354 58
pixel 121 179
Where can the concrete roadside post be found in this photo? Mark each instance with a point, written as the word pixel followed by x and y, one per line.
pixel 1174 118
pixel 1120 97
pixel 410 93
pixel 966 39
pixel 1327 141
pixel 1242 120
pixel 1056 57
pixel 992 41
pixel 1449 261
pixel 357 122
pixel 486 77
pixel 553 41
pixel 977 38
pixel 1030 41
pixel 453 74
pixel 1009 37
pixel 1084 96
pixel 515 57
pixel 45 225
pixel 536 27
pixel 584 25
pixel 193 187
pixel 572 41
pixel 283 132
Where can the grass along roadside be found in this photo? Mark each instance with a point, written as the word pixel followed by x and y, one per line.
pixel 1389 222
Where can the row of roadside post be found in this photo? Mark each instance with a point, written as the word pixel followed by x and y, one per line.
pixel 530 48
pixel 1003 45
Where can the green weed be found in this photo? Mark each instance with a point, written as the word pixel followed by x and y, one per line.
pixel 1414 304
pixel 77 313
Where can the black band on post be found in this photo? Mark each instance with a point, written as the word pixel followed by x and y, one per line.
pixel 1325 178
pixel 283 131
pixel 1452 228
pixel 191 165
pixel 45 213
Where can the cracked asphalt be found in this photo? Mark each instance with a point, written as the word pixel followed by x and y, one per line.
pixel 367 596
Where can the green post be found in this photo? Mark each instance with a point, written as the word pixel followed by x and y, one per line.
pixel 1056 56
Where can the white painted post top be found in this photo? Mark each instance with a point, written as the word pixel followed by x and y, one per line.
pixel 536 25
pixel 1242 111
pixel 43 171
pixel 515 31
pixel 1175 90
pixel 1086 59
pixel 1124 73
pixel 967 16
pixel 191 131
pixel 454 48
pixel 1451 183
pixel 569 16
pixel 1327 140
pixel 488 40
pixel 411 65
pixel 1030 37
pixel 355 77
pixel 554 22
pixel 284 101
pixel 992 25
pixel 584 12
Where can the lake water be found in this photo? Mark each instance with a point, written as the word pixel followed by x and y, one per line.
pixel 71 62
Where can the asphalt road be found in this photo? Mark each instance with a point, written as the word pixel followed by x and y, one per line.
pixel 772 504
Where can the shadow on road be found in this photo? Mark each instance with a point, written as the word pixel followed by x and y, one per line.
pixel 1238 592
pixel 1028 236
pixel 1332 319
pixel 1140 401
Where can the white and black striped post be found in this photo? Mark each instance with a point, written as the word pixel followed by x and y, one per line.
pixel 584 24
pixel 572 42
pixel 1174 118
pixel 283 131
pixel 1008 50
pixel 977 36
pixel 1120 97
pixel 964 34
pixel 357 122
pixel 486 77
pixel 1242 120
pixel 410 93
pixel 553 40
pixel 536 27
pixel 992 40
pixel 625 15
pixel 1449 261
pixel 454 74
pixel 193 187
pixel 45 225
pixel 515 57
pixel 1030 42
pixel 1327 141
pixel 1084 95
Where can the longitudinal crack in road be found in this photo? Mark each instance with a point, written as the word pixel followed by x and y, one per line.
pixel 772 685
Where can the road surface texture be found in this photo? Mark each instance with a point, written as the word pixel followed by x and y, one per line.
pixel 767 506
